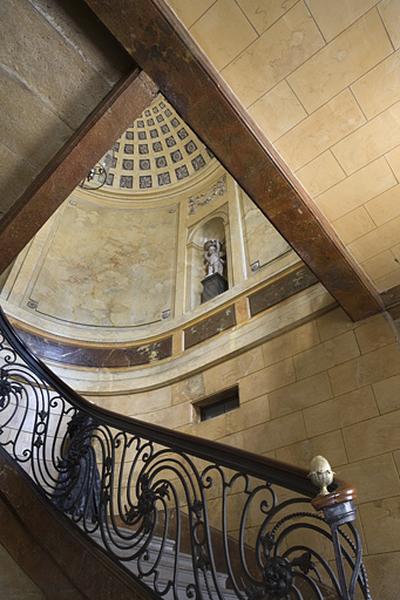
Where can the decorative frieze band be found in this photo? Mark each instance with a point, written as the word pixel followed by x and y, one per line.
pixel 217 190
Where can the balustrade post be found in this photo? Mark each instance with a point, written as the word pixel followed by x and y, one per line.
pixel 338 508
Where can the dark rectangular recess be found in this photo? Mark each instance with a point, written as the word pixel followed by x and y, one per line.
pixel 218 404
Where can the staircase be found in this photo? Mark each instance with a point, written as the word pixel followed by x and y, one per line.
pixel 56 555
pixel 134 510
pixel 185 568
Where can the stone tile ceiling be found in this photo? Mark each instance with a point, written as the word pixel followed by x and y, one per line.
pixel 321 78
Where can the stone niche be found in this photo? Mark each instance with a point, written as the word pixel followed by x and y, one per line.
pixel 213 227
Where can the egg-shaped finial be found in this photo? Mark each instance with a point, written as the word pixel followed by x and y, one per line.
pixel 321 474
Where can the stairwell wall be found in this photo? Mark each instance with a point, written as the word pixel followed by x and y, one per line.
pixel 328 386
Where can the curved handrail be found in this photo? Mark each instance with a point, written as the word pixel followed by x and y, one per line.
pixel 278 472
pixel 127 481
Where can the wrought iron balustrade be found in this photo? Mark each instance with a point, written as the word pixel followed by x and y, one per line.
pixel 189 518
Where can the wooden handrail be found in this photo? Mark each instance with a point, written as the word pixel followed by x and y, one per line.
pixel 344 492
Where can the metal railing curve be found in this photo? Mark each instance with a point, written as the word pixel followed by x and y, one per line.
pixel 190 518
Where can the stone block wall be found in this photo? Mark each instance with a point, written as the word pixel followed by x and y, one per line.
pixel 328 387
pixel 52 75
pixel 322 81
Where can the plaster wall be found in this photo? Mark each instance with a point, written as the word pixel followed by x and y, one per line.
pixel 263 242
pixel 327 386
pixel 322 81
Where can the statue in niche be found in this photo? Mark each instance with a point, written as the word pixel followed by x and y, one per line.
pixel 214 257
pixel 214 282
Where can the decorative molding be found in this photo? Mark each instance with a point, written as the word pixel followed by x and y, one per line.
pixel 255 266
pixel 145 352
pixel 216 323
pixel 279 290
pixel 269 324
pixel 217 190
pixel 97 357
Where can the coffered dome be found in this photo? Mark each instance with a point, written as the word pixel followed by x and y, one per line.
pixel 156 151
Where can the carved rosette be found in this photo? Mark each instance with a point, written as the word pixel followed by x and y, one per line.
pixel 278 573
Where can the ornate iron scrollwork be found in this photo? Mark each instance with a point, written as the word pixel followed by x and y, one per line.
pixel 188 520
pixel 5 388
pixel 146 504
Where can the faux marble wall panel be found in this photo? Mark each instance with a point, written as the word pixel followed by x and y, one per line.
pixel 263 242
pixel 277 291
pixel 99 357
pixel 117 269
pixel 209 327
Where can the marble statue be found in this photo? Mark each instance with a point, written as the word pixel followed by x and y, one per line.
pixel 214 257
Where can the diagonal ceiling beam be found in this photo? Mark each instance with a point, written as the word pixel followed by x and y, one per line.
pixel 158 42
pixel 105 124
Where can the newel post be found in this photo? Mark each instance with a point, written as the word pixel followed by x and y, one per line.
pixel 338 508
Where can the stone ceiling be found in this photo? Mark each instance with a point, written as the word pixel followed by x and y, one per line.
pixel 322 81
pixel 52 75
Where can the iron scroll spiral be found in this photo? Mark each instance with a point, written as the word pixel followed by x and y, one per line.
pixel 187 526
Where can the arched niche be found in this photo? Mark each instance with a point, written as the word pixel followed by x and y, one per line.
pixel 212 227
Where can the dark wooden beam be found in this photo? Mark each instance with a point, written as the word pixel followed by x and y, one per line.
pixel 158 42
pixel 126 101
